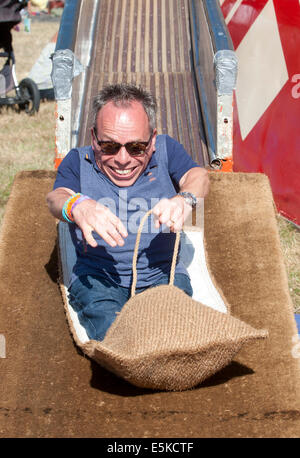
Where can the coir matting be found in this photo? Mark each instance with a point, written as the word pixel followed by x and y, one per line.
pixel 49 389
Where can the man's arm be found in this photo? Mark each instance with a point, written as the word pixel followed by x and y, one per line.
pixel 89 216
pixel 196 181
pixel 173 212
pixel 56 199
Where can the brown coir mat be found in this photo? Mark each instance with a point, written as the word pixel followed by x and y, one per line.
pixel 49 389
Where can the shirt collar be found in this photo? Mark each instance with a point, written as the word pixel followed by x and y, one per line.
pixel 152 163
pixel 90 157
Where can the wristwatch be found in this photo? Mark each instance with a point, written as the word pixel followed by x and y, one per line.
pixel 189 198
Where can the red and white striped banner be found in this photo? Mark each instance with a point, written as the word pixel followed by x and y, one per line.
pixel 266 38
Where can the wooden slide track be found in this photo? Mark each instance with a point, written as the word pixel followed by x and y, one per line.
pixel 148 43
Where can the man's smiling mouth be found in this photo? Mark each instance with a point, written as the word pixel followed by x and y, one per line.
pixel 122 172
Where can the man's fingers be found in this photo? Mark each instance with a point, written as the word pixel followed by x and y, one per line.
pixel 176 219
pixel 112 227
pixel 117 223
pixel 109 239
pixel 112 239
pixel 178 224
pixel 114 234
pixel 165 217
pixel 159 210
pixel 108 219
pixel 110 233
pixel 168 212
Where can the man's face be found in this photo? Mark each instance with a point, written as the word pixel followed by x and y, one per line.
pixel 123 124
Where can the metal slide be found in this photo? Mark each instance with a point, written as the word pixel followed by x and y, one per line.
pixel 178 49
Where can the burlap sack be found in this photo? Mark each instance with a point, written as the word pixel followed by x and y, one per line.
pixel 163 339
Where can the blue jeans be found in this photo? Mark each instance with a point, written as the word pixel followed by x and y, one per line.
pixel 97 301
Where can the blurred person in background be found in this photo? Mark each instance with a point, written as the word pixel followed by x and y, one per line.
pixel 10 16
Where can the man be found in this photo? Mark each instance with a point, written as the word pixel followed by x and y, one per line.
pixel 104 189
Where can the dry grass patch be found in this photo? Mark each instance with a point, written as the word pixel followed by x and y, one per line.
pixel 27 142
pixel 290 243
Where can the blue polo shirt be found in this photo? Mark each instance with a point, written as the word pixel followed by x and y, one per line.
pixel 79 172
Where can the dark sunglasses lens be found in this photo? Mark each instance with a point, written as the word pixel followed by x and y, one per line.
pixel 133 148
pixel 136 148
pixel 110 147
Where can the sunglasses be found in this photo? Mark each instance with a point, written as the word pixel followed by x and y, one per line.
pixel 133 148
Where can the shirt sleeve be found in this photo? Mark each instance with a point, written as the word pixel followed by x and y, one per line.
pixel 179 161
pixel 68 172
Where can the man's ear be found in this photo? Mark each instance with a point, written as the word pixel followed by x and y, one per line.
pixel 93 139
pixel 154 135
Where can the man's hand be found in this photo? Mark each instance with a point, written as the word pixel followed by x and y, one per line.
pixel 90 216
pixel 172 212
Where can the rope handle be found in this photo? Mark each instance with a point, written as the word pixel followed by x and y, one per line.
pixel 136 249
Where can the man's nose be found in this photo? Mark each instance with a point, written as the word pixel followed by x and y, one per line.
pixel 122 156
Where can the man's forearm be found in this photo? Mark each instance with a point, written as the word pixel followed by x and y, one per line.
pixel 196 181
pixel 56 199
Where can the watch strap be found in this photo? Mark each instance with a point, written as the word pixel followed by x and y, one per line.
pixel 190 198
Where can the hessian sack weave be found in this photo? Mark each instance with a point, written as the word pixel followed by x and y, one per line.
pixel 163 339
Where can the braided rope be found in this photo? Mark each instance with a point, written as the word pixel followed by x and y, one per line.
pixel 136 249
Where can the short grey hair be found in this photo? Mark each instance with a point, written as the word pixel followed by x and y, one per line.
pixel 123 94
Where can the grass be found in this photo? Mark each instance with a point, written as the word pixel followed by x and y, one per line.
pixel 290 244
pixel 27 143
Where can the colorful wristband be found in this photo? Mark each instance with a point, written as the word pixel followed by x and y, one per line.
pixel 66 210
pixel 78 201
pixel 65 217
pixel 70 204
